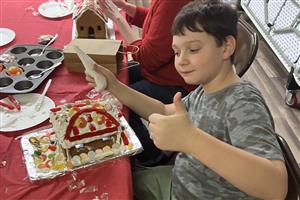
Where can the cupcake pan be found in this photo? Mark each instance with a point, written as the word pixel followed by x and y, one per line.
pixel 27 60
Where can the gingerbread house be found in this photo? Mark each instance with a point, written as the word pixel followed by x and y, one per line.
pixel 88 130
pixel 90 20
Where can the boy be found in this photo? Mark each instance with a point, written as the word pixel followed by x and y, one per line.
pixel 223 130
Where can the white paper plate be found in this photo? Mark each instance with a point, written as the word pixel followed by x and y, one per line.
pixel 6 36
pixel 28 116
pixel 53 9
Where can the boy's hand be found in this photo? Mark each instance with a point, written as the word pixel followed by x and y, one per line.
pixel 170 132
pixel 110 77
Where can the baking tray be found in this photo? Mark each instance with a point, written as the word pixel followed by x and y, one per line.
pixel 26 59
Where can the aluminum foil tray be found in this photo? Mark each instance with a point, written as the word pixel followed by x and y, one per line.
pixel 26 59
pixel 134 146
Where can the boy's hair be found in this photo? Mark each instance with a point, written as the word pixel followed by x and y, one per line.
pixel 212 16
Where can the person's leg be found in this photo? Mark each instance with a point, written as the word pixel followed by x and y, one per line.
pixel 152 183
pixel 151 155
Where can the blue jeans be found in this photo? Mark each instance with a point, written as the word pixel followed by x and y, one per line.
pixel 151 153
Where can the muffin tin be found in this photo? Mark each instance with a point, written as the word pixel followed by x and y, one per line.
pixel 27 58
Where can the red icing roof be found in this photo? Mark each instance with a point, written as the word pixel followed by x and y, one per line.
pixel 113 125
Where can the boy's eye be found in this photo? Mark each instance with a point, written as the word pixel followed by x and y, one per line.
pixel 194 50
pixel 176 53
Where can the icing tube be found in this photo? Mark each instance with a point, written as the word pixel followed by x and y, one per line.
pixel 88 64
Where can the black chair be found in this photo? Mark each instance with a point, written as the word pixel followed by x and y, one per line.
pixel 246 47
pixel 292 169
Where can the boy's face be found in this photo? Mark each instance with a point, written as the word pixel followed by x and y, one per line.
pixel 198 59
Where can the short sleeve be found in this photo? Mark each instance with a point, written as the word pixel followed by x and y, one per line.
pixel 191 97
pixel 250 127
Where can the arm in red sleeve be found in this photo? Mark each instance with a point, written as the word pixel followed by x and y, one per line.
pixel 139 17
pixel 155 47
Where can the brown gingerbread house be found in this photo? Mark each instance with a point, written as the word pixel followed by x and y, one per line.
pixel 90 21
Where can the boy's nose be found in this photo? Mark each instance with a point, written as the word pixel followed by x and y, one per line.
pixel 182 59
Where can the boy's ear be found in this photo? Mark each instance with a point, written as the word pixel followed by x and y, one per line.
pixel 229 47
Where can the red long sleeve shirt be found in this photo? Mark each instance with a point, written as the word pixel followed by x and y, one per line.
pixel 155 53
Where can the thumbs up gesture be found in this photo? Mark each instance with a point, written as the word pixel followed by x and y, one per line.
pixel 179 107
pixel 171 132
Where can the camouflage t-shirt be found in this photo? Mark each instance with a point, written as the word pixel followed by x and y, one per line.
pixel 237 115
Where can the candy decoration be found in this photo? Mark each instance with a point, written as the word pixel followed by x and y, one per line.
pixel 120 114
pixel 44 139
pixel 92 127
pixel 41 166
pixel 58 167
pixel 89 118
pixel 108 107
pixel 60 157
pixel 82 123
pixel 84 157
pixel 91 155
pixel 43 157
pixel 44 148
pixel 69 164
pixel 106 148
pixel 100 119
pixel 130 146
pixel 55 109
pixel 124 138
pixel 37 153
pixel 48 164
pixel 52 148
pixel 51 156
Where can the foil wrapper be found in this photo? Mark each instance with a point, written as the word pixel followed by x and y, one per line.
pixel 35 174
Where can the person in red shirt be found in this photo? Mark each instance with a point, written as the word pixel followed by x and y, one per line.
pixel 155 75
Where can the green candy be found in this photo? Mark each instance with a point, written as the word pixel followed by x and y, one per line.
pixel 51 155
pixel 37 153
